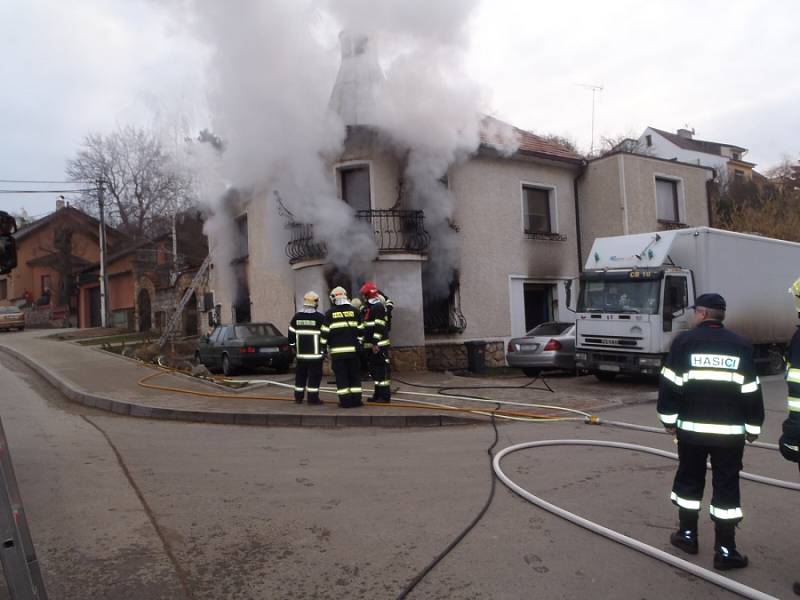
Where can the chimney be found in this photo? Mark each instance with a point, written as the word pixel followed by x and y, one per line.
pixel 60 203
pixel 686 133
pixel 355 93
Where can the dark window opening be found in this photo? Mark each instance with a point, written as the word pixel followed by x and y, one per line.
pixel 242 240
pixel 241 304
pixel 3 289
pixel 355 187
pixel 441 309
pixel 336 278
pixel 667 200
pixel 738 175
pixel 536 212
pixel 649 140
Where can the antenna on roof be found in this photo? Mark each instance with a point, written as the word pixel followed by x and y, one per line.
pixel 595 89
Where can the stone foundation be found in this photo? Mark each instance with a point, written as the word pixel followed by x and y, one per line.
pixel 408 358
pixel 453 356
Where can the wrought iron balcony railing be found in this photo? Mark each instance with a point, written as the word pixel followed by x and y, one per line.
pixel 393 230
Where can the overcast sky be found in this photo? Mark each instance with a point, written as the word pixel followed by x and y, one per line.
pixel 726 68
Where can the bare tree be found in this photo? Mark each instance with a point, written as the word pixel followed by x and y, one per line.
pixel 768 208
pixel 626 142
pixel 143 184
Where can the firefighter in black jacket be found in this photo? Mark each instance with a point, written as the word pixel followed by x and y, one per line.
pixel 711 397
pixel 789 442
pixel 376 342
pixel 304 333
pixel 341 337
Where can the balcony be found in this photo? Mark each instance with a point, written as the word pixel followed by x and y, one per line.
pixel 394 231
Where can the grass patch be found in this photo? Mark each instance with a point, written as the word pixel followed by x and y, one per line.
pixel 125 338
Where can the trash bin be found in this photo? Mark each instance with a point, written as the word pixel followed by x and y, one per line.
pixel 476 356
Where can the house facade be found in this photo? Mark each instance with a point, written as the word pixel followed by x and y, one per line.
pixel 726 159
pixel 49 253
pixel 624 193
pixel 146 281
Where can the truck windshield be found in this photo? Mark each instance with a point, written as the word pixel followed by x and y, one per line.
pixel 609 296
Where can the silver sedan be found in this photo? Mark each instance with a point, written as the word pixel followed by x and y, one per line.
pixel 550 345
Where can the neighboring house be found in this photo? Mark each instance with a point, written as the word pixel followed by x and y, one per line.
pixel 624 193
pixel 49 253
pixel 726 159
pixel 514 230
pixel 145 282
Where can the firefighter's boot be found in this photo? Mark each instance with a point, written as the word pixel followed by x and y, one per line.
pixel 685 539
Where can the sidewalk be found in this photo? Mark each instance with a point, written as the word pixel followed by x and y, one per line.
pixel 107 381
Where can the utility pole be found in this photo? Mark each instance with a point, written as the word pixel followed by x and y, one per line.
pixel 103 276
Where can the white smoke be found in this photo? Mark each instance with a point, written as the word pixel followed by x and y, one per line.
pixel 271 71
pixel 428 107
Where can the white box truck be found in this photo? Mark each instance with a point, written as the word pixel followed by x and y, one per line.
pixel 636 290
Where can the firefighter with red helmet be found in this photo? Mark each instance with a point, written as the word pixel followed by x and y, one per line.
pixel 305 329
pixel 376 341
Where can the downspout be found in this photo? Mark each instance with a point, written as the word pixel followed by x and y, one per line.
pixel 581 173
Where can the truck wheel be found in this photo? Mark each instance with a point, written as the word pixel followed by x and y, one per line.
pixel 605 376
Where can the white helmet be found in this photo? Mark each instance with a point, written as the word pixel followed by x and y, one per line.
pixel 338 295
pixel 311 299
pixel 795 291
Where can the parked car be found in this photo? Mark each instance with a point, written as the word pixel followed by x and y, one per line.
pixel 550 345
pixel 244 346
pixel 12 317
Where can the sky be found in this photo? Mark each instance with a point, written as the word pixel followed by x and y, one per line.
pixel 725 68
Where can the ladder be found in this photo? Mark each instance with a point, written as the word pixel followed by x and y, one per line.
pixel 176 316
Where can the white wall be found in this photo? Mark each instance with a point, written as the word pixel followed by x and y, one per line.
pixel 663 148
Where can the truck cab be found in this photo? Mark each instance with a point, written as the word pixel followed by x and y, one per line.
pixel 627 318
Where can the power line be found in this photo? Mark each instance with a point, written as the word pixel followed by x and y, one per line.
pixel 47 191
pixel 41 181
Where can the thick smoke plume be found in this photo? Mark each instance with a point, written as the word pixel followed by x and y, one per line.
pixel 272 69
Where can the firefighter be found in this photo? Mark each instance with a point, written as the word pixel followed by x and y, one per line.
pixel 362 356
pixel 342 338
pixel 304 336
pixel 710 397
pixel 376 342
pixel 789 442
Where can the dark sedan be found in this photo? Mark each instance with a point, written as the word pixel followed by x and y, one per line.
pixel 550 345
pixel 245 346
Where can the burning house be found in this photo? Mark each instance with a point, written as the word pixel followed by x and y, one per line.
pixel 476 244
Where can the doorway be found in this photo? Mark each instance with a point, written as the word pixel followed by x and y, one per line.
pixel 94 307
pixel 145 314
pixel 538 304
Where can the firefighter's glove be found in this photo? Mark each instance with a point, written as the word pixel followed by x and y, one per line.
pixel 789 443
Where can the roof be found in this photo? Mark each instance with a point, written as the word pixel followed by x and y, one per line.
pixel 672 161
pixel 25 231
pixel 697 145
pixel 493 134
pixel 53 259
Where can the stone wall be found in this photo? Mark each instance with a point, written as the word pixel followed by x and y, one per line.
pixel 408 358
pixel 453 357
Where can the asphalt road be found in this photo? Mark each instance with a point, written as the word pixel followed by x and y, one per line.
pixel 130 508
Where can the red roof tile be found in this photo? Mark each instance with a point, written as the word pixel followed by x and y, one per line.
pixel 528 142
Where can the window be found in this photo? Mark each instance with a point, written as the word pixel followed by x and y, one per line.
pixel 737 156
pixel 738 175
pixel 676 295
pixel 46 284
pixel 667 200
pixel 536 210
pixel 243 243
pixel 3 289
pixel 441 307
pixel 649 140
pixel 355 187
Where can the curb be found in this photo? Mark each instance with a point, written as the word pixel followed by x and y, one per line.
pixel 119 407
